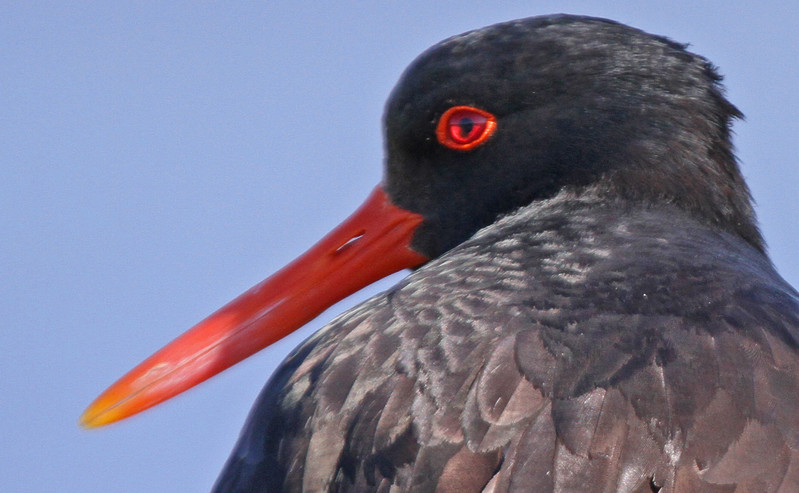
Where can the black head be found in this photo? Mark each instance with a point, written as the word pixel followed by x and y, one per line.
pixel 583 104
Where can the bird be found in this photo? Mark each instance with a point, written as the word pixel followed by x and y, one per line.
pixel 590 307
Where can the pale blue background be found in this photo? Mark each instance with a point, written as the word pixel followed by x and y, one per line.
pixel 158 158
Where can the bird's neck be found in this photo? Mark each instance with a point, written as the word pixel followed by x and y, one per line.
pixel 589 219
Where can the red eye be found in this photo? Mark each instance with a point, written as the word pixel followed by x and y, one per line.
pixel 464 127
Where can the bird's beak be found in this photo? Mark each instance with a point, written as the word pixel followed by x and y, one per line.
pixel 369 245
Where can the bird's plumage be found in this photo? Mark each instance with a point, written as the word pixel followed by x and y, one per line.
pixel 599 315
pixel 572 344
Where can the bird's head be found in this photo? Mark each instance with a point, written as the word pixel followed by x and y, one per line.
pixel 575 103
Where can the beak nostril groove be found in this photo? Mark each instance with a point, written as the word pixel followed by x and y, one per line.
pixel 349 243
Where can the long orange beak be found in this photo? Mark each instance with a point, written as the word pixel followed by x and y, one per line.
pixel 369 245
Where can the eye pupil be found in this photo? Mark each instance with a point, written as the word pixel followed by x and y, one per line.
pixel 464 127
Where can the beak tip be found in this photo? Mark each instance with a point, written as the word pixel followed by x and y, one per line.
pixel 88 419
pixel 96 415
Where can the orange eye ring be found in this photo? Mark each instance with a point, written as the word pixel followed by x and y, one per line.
pixel 465 127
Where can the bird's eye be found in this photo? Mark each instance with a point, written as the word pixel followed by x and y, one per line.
pixel 464 127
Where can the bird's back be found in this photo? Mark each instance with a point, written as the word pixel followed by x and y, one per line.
pixel 572 345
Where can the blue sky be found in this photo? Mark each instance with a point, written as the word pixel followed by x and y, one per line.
pixel 158 158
